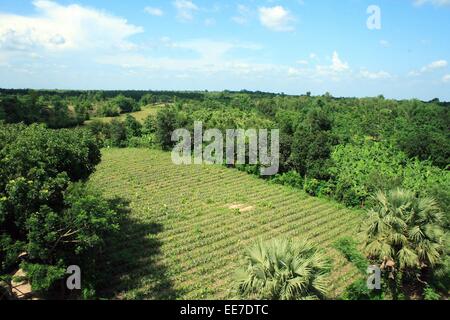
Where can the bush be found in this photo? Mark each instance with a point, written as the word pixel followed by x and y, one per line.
pixel 108 109
pixel 147 99
pixel 146 141
pixel 290 178
pixel 125 104
pixel 281 269
pixel 312 187
pixel 358 291
pixel 133 127
pixel 166 123
pixel 430 294
pixel 149 125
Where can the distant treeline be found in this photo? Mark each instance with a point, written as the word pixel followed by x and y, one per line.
pixel 162 96
pixel 69 108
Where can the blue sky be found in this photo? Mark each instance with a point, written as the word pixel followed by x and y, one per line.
pixel 279 46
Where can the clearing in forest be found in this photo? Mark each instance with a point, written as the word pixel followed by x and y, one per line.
pixel 139 115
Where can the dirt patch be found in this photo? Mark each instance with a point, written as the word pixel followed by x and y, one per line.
pixel 241 207
pixel 21 289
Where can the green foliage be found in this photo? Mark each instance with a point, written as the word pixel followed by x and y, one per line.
pixel 283 270
pixel 311 153
pixel 405 233
pixel 121 134
pixel 43 277
pixel 108 109
pixel 45 209
pixel 404 229
pixel 147 99
pixel 358 291
pixel 116 134
pixel 426 133
pixel 361 170
pixel 440 276
pixel 290 178
pixel 166 123
pixel 35 108
pixel 149 125
pixel 125 104
pixel 133 127
pixel 431 294
pixel 348 247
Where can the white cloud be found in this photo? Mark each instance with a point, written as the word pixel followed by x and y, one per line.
pixel 433 66
pixel 337 64
pixel 375 75
pixel 3 59
pixel 439 64
pixel 210 57
pixel 154 11
pixel 437 3
pixel 243 14
pixel 210 22
pixel 335 70
pixel 304 62
pixel 446 78
pixel 276 18
pixel 58 27
pixel 294 72
pixel 384 43
pixel 185 9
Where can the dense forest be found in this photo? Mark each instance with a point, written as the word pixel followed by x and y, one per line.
pixel 374 154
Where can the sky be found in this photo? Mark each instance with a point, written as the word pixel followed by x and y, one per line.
pixel 397 48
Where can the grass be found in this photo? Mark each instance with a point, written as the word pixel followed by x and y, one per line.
pixel 139 115
pixel 185 237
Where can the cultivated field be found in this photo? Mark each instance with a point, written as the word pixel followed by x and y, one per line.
pixel 190 224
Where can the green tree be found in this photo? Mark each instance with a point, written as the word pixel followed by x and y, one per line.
pixel 125 104
pixel 149 126
pixel 312 146
pixel 147 99
pixel 133 127
pixel 166 123
pixel 117 133
pixel 46 210
pixel 404 232
pixel 283 270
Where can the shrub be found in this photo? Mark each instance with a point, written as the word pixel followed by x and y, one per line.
pixel 133 127
pixel 290 178
pixel 431 294
pixel 125 104
pixel 283 270
pixel 358 291
pixel 312 187
pixel 166 123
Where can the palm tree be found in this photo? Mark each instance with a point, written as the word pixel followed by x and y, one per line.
pixel 404 232
pixel 283 270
